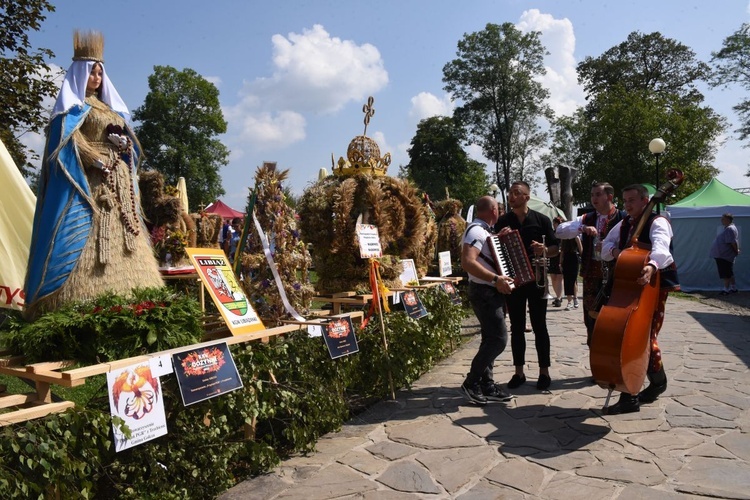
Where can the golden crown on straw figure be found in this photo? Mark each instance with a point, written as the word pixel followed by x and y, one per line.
pixel 363 153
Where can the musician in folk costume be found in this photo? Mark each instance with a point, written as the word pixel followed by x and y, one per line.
pixel 539 240
pixel 657 233
pixel 593 227
pixel 487 292
pixel 88 233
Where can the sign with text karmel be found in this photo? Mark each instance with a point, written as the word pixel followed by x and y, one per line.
pixel 219 279
pixel 205 372
pixel 369 241
pixel 135 396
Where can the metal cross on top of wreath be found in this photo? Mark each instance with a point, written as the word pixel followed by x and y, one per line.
pixel 369 111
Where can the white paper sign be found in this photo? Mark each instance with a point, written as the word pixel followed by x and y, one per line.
pixel 369 241
pixel 161 365
pixel 409 272
pixel 446 268
pixel 315 330
pixel 135 396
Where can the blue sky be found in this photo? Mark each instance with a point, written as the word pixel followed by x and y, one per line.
pixel 293 75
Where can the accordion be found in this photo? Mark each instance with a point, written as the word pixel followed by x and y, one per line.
pixel 510 257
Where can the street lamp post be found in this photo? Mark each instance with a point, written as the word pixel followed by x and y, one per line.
pixel 657 147
pixel 494 189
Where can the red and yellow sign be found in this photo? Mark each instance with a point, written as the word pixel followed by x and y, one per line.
pixel 217 276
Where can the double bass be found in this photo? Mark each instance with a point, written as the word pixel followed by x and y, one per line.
pixel 620 345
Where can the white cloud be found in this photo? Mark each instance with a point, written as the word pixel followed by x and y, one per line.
pixel 561 79
pixel 313 72
pixel 216 80
pixel 425 105
pixel 268 131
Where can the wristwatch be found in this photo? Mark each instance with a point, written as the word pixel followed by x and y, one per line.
pixel 494 280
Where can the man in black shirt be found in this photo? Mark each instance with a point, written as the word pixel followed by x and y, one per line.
pixel 536 232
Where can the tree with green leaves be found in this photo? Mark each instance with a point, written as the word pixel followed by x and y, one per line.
pixel 179 123
pixel 643 88
pixel 495 78
pixel 732 66
pixel 25 79
pixel 438 162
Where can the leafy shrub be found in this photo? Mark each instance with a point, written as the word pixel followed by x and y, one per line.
pixel 293 393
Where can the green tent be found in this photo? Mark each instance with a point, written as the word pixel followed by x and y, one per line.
pixel 714 194
pixel 696 220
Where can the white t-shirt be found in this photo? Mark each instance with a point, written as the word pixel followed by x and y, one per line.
pixel 476 236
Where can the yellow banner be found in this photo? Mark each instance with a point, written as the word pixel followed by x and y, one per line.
pixel 217 276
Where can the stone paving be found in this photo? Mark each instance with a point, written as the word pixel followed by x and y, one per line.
pixel 693 442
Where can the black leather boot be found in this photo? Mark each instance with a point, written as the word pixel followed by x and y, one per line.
pixel 657 385
pixel 628 403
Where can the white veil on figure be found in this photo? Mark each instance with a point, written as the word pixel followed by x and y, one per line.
pixel 73 90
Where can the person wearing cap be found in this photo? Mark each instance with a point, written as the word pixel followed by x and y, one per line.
pixel 724 250
pixel 88 234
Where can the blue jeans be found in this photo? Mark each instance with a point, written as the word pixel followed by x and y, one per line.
pixel 489 308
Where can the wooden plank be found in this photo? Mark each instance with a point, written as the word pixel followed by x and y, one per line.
pixel 8 400
pixel 25 414
pixel 48 366
pixel 48 377
pixel 89 371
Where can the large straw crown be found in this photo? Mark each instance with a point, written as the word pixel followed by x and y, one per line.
pixel 88 46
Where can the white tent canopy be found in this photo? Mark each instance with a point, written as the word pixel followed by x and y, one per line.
pixel 695 227
pixel 16 216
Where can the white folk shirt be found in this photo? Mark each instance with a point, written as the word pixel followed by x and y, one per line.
pixel 660 234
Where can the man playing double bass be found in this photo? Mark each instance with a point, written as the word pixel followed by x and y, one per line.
pixel 656 233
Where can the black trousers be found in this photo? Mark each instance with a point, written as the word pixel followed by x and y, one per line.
pixel 489 307
pixel 517 301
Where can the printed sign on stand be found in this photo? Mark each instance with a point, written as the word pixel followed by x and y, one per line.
pixel 340 337
pixel 369 241
pixel 450 289
pixel 413 304
pixel 446 267
pixel 135 396
pixel 219 279
pixel 409 272
pixel 205 372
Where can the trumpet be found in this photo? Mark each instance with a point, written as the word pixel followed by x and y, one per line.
pixel 540 270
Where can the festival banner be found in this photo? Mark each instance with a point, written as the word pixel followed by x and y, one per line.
pixel 450 289
pixel 135 396
pixel 219 279
pixel 409 274
pixel 340 337
pixel 369 241
pixel 205 373
pixel 413 304
pixel 446 267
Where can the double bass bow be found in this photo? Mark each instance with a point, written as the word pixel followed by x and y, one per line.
pixel 620 345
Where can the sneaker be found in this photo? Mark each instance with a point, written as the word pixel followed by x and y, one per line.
pixel 575 304
pixel 493 392
pixel 724 292
pixel 556 302
pixel 568 307
pixel 516 381
pixel 733 290
pixel 473 394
